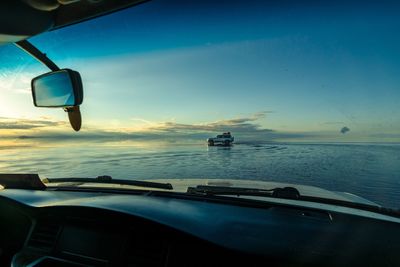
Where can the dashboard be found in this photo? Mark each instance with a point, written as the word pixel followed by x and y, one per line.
pixel 86 228
pixel 94 237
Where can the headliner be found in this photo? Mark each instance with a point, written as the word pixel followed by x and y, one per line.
pixel 40 16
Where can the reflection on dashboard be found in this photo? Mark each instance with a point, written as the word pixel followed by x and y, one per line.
pixel 104 238
pixel 163 229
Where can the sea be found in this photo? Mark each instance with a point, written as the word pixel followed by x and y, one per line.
pixel 370 170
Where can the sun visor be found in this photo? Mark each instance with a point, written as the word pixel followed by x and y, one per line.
pixel 18 21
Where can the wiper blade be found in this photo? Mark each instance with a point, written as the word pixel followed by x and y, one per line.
pixel 288 193
pixel 21 181
pixel 109 180
pixel 278 192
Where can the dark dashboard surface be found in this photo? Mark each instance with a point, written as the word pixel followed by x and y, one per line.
pixel 66 228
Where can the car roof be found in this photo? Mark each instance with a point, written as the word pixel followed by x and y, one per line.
pixel 39 16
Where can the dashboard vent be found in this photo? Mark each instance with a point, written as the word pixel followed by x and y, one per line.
pixel 44 235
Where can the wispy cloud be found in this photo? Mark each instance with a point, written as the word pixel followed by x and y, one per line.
pixel 27 124
pixel 47 131
pixel 46 128
pixel 394 136
pixel 17 80
pixel 239 125
pixel 147 122
pixel 333 123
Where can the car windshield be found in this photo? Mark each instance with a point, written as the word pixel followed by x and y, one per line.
pixel 310 92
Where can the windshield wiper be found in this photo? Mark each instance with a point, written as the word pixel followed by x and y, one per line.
pixel 21 181
pixel 287 193
pixel 109 180
pixel 278 192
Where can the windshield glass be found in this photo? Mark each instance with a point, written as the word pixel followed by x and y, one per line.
pixel 309 92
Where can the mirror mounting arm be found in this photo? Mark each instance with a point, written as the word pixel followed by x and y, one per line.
pixel 36 53
pixel 68 109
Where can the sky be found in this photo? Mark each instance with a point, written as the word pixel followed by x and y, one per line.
pixel 264 70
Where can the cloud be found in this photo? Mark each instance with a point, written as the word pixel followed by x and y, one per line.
pixel 27 124
pixel 17 80
pixel 46 131
pixel 332 122
pixel 238 125
pixel 45 128
pixel 344 130
pixel 142 121
pixel 385 135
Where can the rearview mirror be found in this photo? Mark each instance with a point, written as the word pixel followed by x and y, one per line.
pixel 61 89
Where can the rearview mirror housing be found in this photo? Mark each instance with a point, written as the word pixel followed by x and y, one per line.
pixel 57 89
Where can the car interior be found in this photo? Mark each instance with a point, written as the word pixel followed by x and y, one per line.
pixel 88 227
pixel 151 225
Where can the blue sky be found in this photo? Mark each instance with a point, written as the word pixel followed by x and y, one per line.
pixel 265 70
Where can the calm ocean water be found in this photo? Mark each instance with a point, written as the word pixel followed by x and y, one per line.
pixel 369 170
